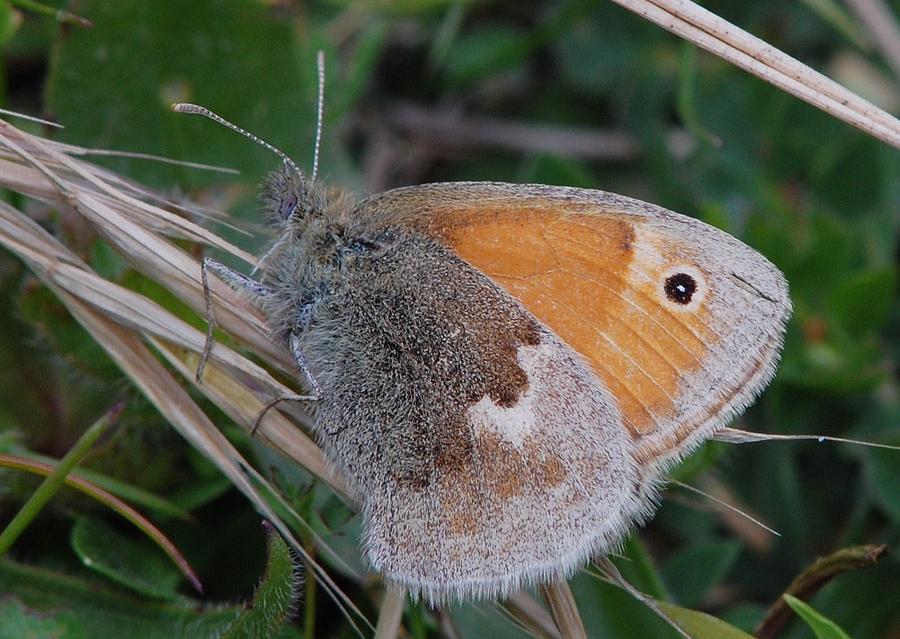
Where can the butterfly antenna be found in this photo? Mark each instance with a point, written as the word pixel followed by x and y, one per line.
pixel 320 108
pixel 186 107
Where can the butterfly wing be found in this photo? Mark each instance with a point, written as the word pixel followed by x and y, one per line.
pixel 525 362
pixel 681 322
pixel 484 452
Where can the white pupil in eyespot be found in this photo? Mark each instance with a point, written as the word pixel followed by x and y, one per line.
pixel 680 288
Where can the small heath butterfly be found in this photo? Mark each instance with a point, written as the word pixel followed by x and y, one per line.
pixel 504 372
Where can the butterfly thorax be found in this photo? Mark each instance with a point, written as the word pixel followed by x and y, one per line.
pixel 318 243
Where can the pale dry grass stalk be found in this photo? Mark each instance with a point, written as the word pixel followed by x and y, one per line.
pixel 708 31
pixel 390 613
pixel 125 322
pixel 565 613
pixel 532 615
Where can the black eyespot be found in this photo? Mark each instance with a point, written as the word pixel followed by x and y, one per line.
pixel 680 288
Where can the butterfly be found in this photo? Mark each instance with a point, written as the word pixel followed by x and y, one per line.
pixel 503 373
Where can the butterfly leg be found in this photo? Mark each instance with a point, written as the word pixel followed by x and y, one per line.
pixel 237 281
pixel 303 365
pixel 304 318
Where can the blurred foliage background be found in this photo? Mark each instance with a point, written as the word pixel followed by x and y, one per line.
pixel 571 92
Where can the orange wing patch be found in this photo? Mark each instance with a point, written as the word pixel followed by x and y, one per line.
pixel 596 281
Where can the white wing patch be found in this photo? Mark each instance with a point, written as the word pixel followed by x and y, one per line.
pixel 552 482
pixel 518 422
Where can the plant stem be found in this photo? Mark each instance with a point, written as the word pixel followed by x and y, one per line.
pixel 52 482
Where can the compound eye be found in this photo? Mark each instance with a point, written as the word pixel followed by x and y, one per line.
pixel 288 206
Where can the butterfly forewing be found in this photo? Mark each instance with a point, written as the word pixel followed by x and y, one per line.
pixel 681 322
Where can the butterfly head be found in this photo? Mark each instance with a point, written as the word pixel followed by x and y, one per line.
pixel 290 198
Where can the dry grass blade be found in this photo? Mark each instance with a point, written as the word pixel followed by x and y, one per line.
pixel 244 407
pixel 884 28
pixel 53 177
pixel 123 305
pixel 120 319
pixel 390 614
pixel 564 611
pixel 136 311
pixel 718 36
pixel 529 612
pixel 175 404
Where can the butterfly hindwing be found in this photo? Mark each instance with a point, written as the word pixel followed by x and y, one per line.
pixel 485 452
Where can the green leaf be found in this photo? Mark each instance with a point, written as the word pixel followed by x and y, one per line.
pixel 832 13
pixel 87 609
pixel 483 52
pixel 232 56
pixel 9 23
pixel 609 611
pixel 17 622
pixel 615 42
pixel 700 625
pixel 480 620
pixel 547 169
pixel 690 585
pixel 822 626
pixel 884 466
pixel 637 566
pixel 862 302
pixel 142 567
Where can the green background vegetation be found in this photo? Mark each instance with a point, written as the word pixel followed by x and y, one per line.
pixel 817 197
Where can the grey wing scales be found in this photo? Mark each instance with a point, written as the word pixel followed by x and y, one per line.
pixel 484 452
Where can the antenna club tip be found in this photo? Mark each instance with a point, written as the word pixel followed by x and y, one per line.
pixel 183 107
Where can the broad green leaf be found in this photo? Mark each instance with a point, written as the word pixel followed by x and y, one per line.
pixel 484 52
pixel 862 302
pixel 545 169
pixel 638 568
pixel 112 86
pixel 609 611
pixel 615 42
pixel 87 609
pixel 832 12
pixel 138 565
pixel 689 585
pixel 700 625
pixel 9 20
pixel 17 622
pixel 884 466
pixel 475 620
pixel 822 626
